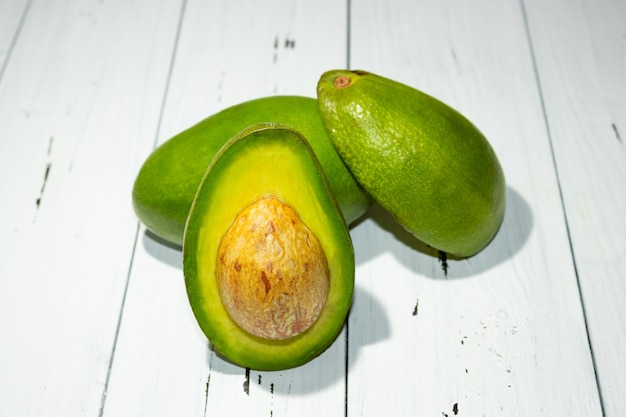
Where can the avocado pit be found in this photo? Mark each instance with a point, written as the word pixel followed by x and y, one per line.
pixel 272 273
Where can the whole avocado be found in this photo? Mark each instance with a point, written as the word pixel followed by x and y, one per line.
pixel 420 159
pixel 166 183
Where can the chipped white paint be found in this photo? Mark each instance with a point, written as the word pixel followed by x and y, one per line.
pixel 93 310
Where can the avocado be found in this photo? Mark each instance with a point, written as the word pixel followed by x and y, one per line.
pixel 167 181
pixel 420 159
pixel 267 256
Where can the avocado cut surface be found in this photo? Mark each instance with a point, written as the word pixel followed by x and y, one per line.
pixel 421 160
pixel 267 163
pixel 167 181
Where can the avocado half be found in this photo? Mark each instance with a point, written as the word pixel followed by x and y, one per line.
pixel 262 163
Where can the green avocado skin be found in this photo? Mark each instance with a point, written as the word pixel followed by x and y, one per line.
pixel 420 159
pixel 166 183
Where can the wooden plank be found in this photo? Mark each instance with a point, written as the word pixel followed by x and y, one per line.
pixel 581 67
pixel 79 102
pixel 228 52
pixel 500 333
pixel 12 14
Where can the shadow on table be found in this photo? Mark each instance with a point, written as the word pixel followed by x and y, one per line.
pixel 166 252
pixel 510 239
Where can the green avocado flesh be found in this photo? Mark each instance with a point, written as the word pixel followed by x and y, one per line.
pixel 265 161
pixel 421 160
pixel 166 183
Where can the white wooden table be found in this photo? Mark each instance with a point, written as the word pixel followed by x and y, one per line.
pixel 94 319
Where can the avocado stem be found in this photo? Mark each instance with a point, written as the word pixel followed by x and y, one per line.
pixel 342 81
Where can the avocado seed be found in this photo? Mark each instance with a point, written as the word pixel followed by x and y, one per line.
pixel 272 272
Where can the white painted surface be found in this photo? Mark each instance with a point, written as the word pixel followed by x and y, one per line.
pixel 93 312
pixel 581 64
pixel 11 14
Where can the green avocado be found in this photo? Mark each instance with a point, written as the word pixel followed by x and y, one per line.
pixel 267 256
pixel 421 160
pixel 166 183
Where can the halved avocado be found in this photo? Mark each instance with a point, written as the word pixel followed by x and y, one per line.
pixel 267 255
